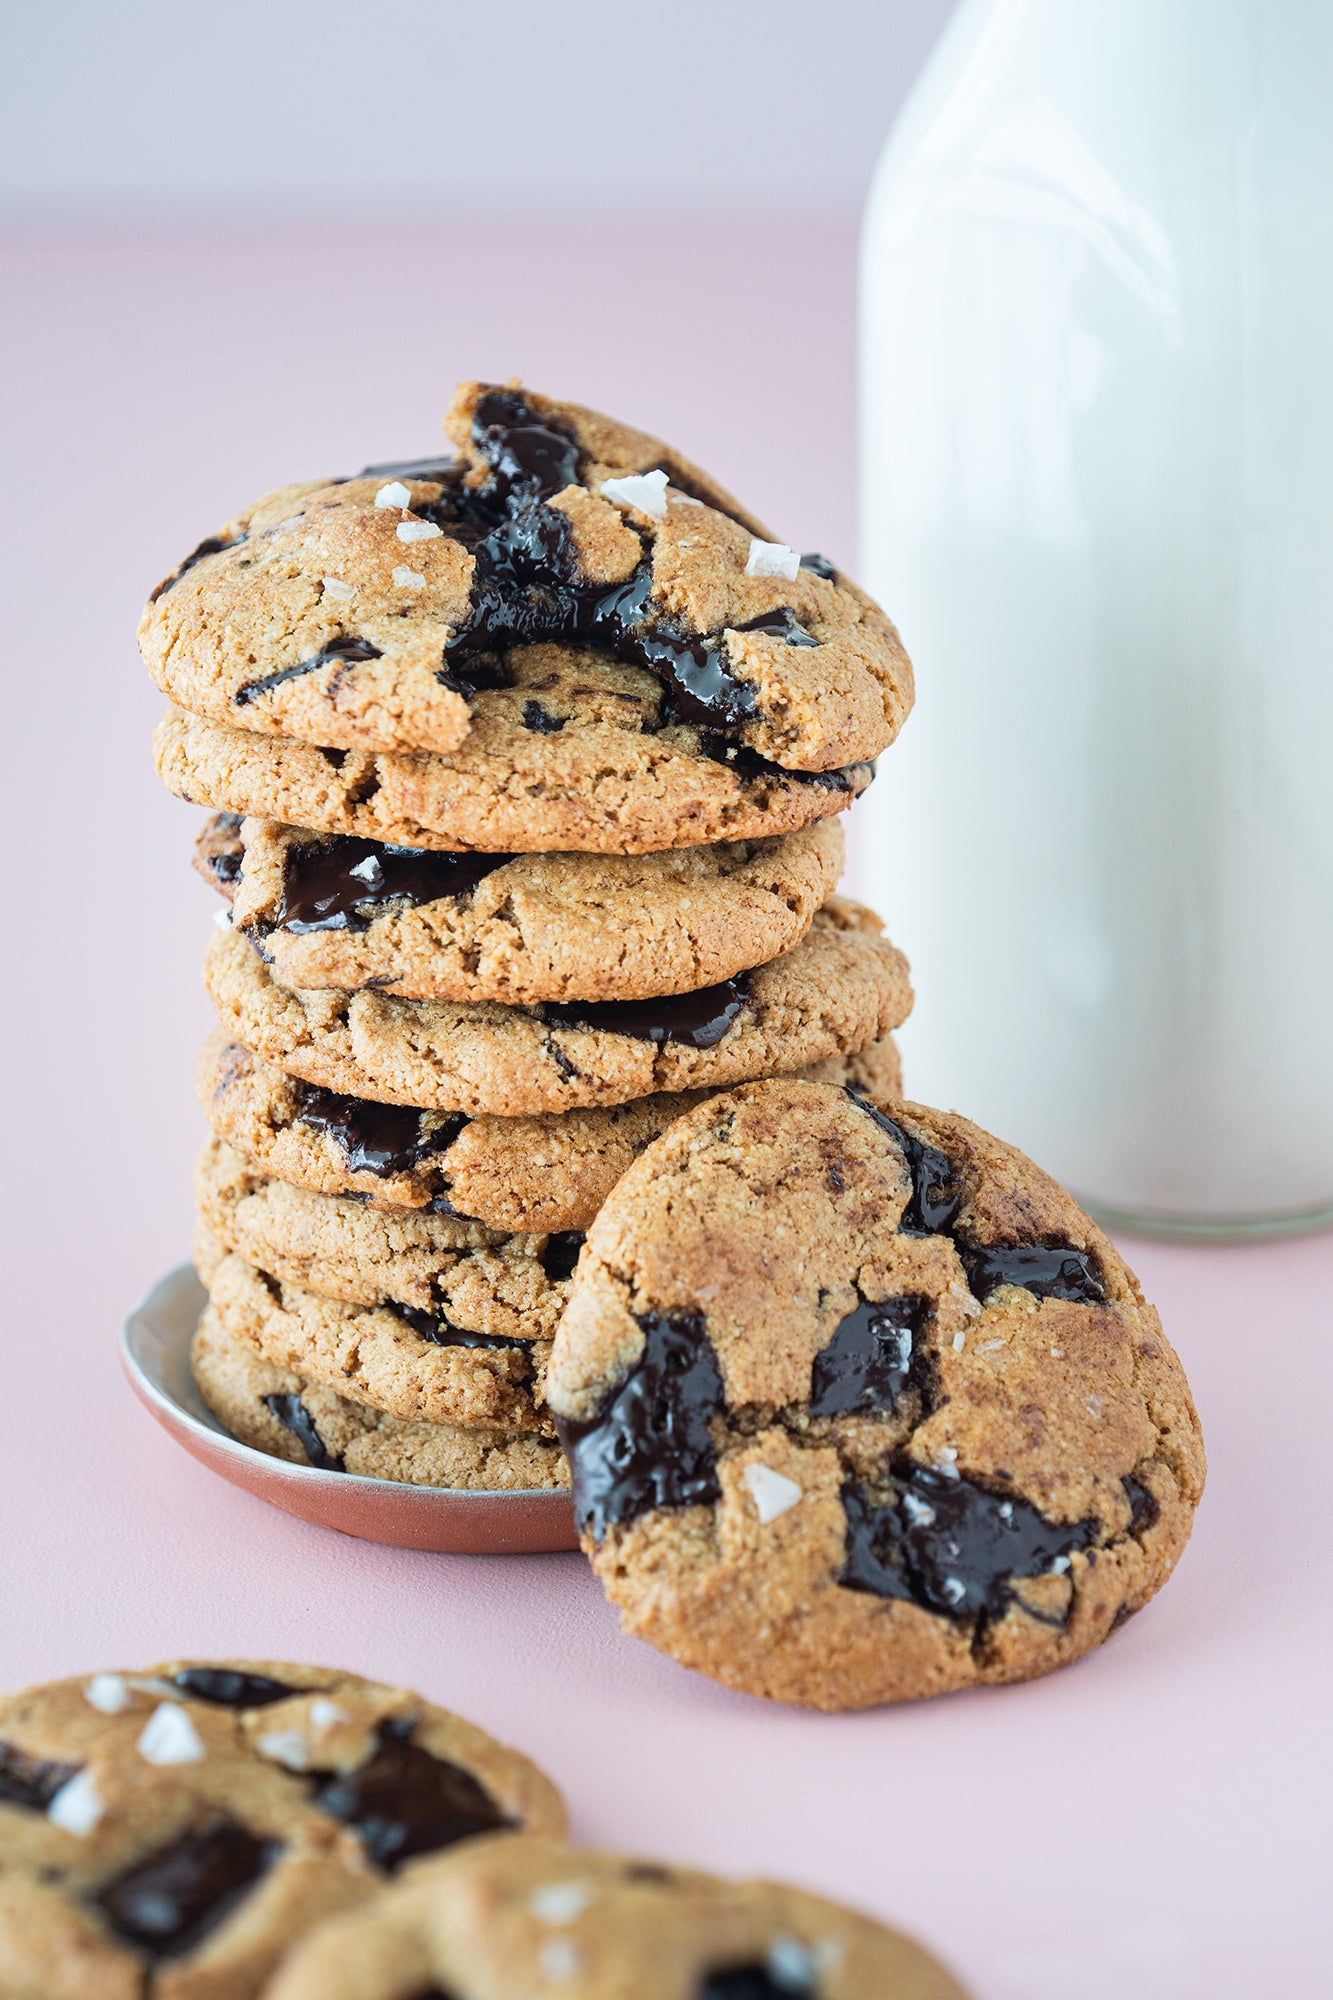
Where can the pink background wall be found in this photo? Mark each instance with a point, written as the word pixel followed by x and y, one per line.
pixel 1147 1823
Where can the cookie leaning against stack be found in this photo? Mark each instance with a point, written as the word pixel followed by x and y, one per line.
pixel 525 767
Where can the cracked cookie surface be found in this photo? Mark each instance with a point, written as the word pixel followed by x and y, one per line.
pixel 409 1362
pixel 329 911
pixel 528 1916
pixel 550 1172
pixel 837 991
pixel 172 1832
pixel 294 1417
pixel 861 1406
pixel 514 1286
pixel 370 613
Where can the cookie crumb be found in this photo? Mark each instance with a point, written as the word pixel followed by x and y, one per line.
pixel 395 494
pixel 772 1492
pixel 418 531
pixel 772 559
pixel 76 1808
pixel 169 1737
pixel 644 490
pixel 408 579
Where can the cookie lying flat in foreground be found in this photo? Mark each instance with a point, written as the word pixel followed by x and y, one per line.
pixel 521 1916
pixel 862 1407
pixel 187 1824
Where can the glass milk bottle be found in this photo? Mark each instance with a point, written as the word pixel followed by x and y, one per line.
pixel 1098 499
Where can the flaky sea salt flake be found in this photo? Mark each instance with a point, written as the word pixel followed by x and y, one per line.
pixel 791 1965
pixel 417 531
pixel 395 494
pixel 772 559
pixel 644 490
pixel 559 1902
pixel 325 1713
pixel 559 1959
pixel 169 1737
pixel 76 1808
pixel 286 1747
pixel 336 588
pixel 108 1693
pixel 408 579
pixel 772 1492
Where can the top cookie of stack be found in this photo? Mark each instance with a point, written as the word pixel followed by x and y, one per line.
pixel 565 638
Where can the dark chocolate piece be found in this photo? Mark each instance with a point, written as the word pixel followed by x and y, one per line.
pixel 227 1687
pixel 935 1199
pixel 1049 1271
pixel 343 883
pixel 561 1254
pixel 442 470
pixel 749 765
pixel 649 1444
pixel 219 852
pixel 293 1415
pixel 403 1801
pixel 780 624
pixel 1143 1509
pixel 376 1138
pixel 211 545
pixel 541 720
pixel 949 1544
pixel 699 1020
pixel 753 1982
pixel 31 1781
pixel 437 1328
pixel 348 650
pixel 169 1903
pixel 867 1364
pixel 819 566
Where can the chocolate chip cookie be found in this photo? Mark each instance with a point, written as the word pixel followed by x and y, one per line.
pixel 526 1916
pixel 861 1406
pixel 326 911
pixel 292 1416
pixel 840 989
pixel 408 1361
pixel 546 1173
pixel 175 1831
pixel 372 613
pixel 511 1286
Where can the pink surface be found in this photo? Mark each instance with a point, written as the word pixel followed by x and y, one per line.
pixel 1146 1823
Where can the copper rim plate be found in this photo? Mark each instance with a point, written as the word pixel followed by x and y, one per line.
pixel 155 1350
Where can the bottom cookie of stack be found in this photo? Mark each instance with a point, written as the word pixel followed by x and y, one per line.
pixel 292 1416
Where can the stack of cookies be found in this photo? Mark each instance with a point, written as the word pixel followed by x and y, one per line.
pixel 525 768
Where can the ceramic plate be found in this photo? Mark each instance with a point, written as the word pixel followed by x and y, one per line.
pixel 155 1349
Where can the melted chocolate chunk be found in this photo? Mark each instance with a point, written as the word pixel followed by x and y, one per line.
pixel 748 764
pixel 31 1781
pixel 949 1545
pixel 753 1982
pixel 1143 1509
pixel 561 1254
pixel 226 1687
pixel 343 884
pixel 442 470
pixel 529 458
pixel 211 545
pixel 541 720
pixel 169 1903
pixel 649 1445
pixel 699 1020
pixel 1049 1271
pixel 935 1198
pixel 348 650
pixel 780 624
pixel 403 1801
pixel 819 566
pixel 293 1415
pixel 435 1327
pixel 219 852
pixel 867 1364
pixel 376 1138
